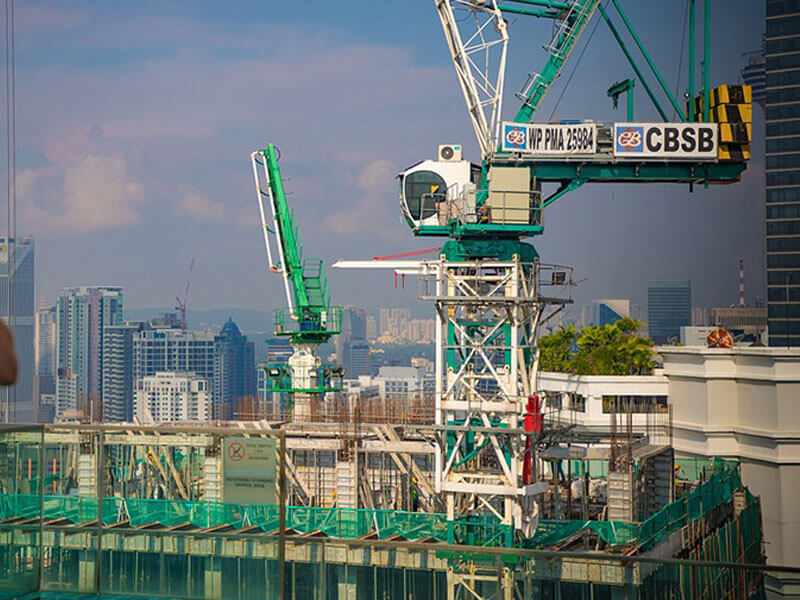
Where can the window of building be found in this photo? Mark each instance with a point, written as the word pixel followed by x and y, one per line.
pixel 783 294
pixel 781 128
pixel 783 161
pixel 553 400
pixel 576 402
pixel 783 277
pixel 783 227
pixel 782 27
pixel 783 111
pixel 785 61
pixel 634 404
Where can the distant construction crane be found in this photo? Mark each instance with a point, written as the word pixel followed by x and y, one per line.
pixel 308 319
pixel 180 299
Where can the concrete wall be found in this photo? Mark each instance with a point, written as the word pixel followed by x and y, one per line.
pixel 744 403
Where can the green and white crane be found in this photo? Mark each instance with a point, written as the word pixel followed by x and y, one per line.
pixel 488 286
pixel 308 319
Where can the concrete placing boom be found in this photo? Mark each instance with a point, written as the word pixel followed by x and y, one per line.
pixel 308 320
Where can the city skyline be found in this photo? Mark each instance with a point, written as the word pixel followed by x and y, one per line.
pixel 189 209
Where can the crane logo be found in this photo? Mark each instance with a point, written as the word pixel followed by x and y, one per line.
pixel 630 139
pixel 515 137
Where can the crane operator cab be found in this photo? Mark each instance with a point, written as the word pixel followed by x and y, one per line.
pixel 436 194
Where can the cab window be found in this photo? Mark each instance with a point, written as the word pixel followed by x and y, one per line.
pixel 427 184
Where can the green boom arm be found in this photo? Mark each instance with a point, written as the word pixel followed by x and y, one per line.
pixel 309 318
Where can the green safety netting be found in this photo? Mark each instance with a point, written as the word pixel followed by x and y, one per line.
pixel 74 508
pixel 551 532
pixel 721 481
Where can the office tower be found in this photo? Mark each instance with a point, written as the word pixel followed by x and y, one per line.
pixel 372 328
pixel 359 359
pixel 82 314
pixel 118 380
pixel 783 173
pixel 234 371
pixel 354 331
pixel 278 349
pixel 171 397
pixel 17 310
pixel 161 350
pixel 699 316
pixel 393 321
pixel 668 308
pixel 607 311
pixel 44 391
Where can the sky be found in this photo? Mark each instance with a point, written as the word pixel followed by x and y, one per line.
pixel 135 122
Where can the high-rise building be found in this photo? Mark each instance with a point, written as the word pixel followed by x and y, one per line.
pixel 44 388
pixel 118 380
pixel 161 350
pixel 699 316
pixel 278 349
pixel 669 305
pixel 17 310
pixel 171 397
pixel 608 311
pixel 234 371
pixel 372 328
pixel 393 321
pixel 353 333
pixel 783 172
pixel 359 358
pixel 82 314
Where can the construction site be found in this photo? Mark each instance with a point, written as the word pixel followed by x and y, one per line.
pixel 489 491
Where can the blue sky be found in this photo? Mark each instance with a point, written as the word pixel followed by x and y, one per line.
pixel 135 123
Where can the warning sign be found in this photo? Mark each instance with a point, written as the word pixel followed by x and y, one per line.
pixel 250 470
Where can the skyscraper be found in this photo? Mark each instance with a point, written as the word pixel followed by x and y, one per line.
pixel 160 350
pixel 783 172
pixel 171 397
pixel 606 311
pixel 44 388
pixel 118 382
pixel 354 332
pixel 234 371
pixel 82 314
pixel 17 309
pixel 669 305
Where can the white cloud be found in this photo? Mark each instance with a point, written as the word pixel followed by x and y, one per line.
pixel 370 213
pixel 90 188
pixel 198 206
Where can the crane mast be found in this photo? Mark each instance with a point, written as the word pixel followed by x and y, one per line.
pixel 308 319
pixel 490 290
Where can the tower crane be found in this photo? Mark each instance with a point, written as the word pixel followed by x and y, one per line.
pixel 488 286
pixel 181 299
pixel 308 319
pixel 486 209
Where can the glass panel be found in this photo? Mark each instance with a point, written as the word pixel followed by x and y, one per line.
pixel 20 509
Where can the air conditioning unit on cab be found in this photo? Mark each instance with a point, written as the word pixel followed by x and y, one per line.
pixel 450 152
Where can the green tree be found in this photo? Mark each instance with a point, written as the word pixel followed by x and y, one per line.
pixel 614 349
pixel 556 350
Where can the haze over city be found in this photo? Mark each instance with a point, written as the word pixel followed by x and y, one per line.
pixel 135 124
